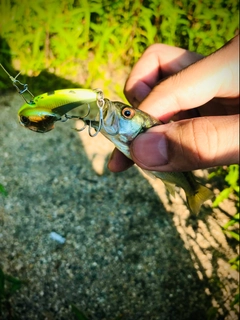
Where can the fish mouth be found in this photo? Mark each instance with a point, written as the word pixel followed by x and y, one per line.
pixel 106 121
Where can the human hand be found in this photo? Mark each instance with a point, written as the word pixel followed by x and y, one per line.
pixel 200 94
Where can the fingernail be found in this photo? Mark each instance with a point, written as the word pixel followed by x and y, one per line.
pixel 150 149
pixel 118 162
pixel 112 161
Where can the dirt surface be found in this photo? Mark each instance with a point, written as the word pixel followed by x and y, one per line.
pixel 131 252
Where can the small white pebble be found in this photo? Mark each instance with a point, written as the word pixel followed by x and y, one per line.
pixel 57 237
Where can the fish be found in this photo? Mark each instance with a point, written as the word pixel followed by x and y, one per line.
pixel 118 122
pixel 122 124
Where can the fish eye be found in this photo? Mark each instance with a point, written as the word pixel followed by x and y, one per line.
pixel 128 113
pixel 24 120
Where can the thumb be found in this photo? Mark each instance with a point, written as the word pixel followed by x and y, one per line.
pixel 188 145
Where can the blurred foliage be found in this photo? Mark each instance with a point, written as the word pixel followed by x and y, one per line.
pixel 3 190
pixel 231 177
pixel 80 39
pixel 79 315
pixel 230 186
pixel 8 287
pixel 231 228
pixel 230 190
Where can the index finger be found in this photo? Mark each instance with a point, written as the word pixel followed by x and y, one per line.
pixel 213 76
pixel 158 62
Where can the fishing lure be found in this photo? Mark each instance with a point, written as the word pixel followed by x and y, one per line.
pixel 44 110
pixel 41 112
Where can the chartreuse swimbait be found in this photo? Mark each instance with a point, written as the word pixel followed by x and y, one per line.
pixel 44 110
pixel 41 112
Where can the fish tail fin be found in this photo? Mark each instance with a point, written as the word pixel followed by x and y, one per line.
pixel 196 200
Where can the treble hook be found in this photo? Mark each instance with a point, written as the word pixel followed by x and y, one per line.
pixel 100 104
pixel 68 117
pixel 15 82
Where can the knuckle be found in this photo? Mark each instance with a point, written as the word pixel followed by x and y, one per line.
pixel 194 144
pixel 153 48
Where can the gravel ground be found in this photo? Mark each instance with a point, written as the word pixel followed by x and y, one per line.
pixel 131 252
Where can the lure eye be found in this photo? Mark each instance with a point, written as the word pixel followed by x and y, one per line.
pixel 128 113
pixel 24 120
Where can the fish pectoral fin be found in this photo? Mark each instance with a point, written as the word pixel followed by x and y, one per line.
pixel 170 187
pixel 196 200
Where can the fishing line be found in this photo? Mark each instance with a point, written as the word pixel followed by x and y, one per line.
pixel 17 83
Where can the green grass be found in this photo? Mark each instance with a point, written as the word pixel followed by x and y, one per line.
pixel 9 285
pixel 85 37
pixel 230 175
pixel 3 190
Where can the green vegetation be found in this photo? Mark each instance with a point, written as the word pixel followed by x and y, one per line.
pixel 96 35
pixel 231 177
pixel 3 190
pixel 231 228
pixel 79 315
pixel 8 286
